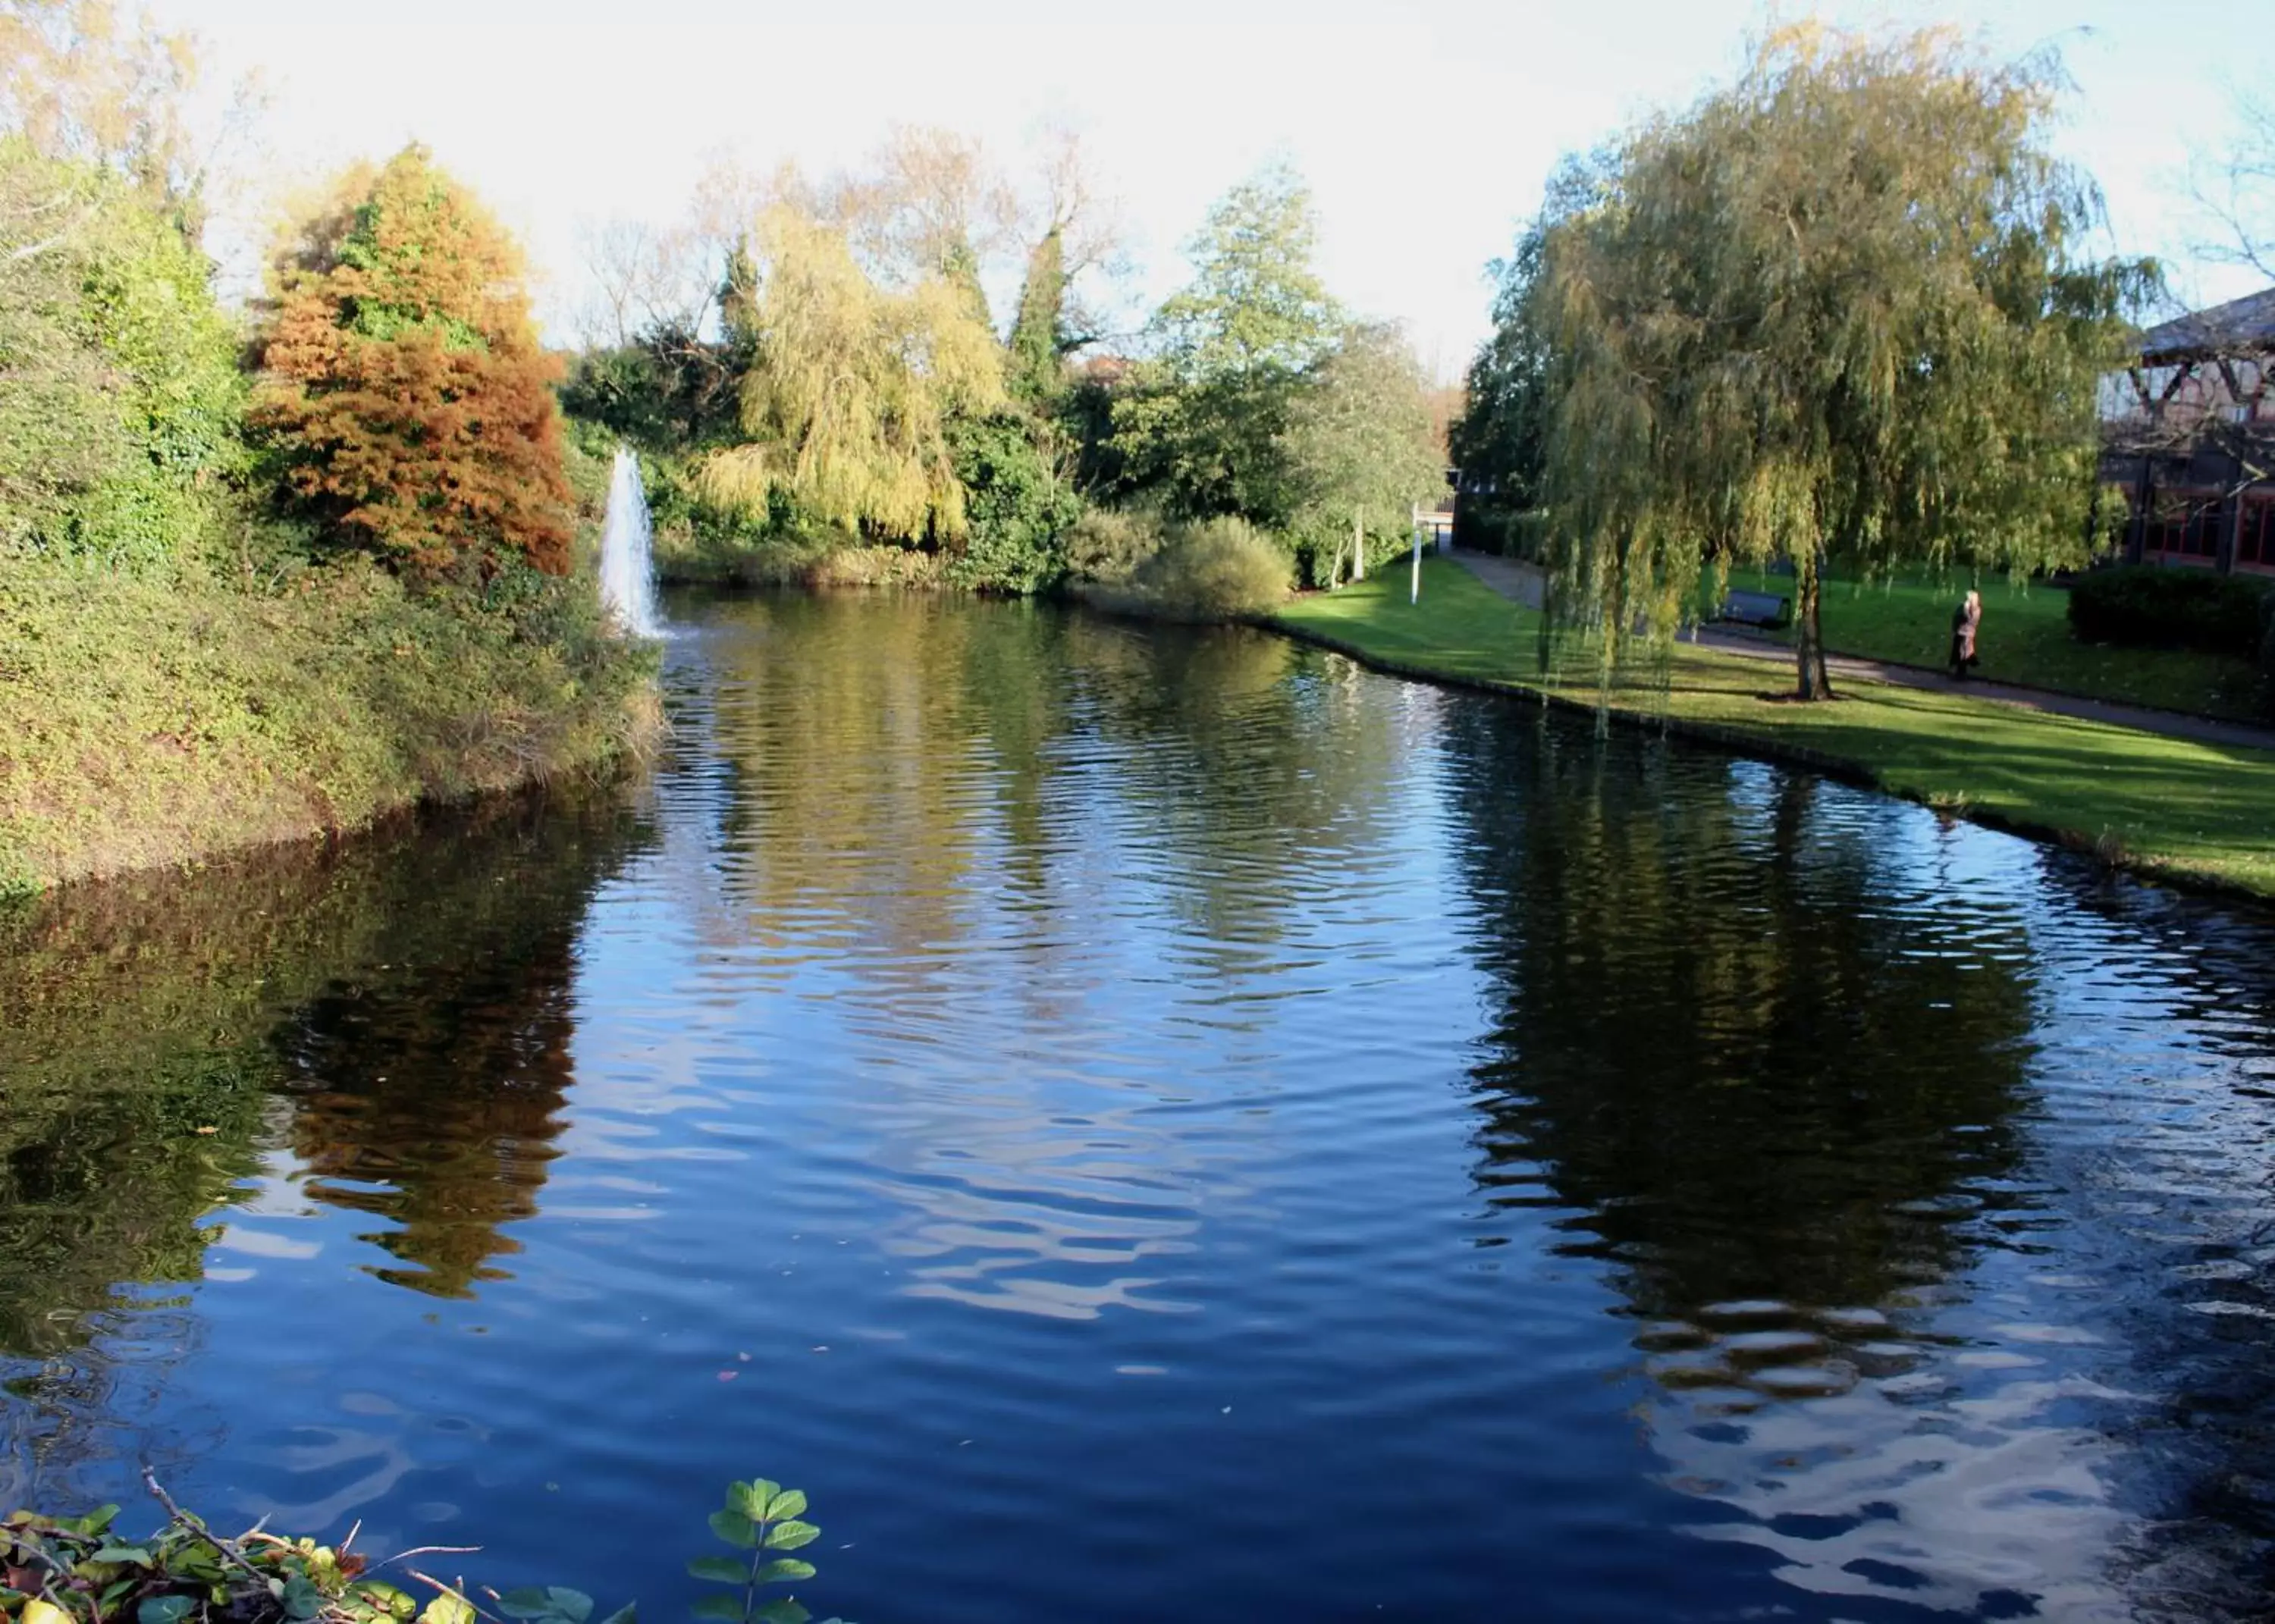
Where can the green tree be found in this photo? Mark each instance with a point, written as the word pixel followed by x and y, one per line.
pixel 1837 313
pixel 1038 338
pixel 1498 441
pixel 1016 502
pixel 120 396
pixel 1203 426
pixel 1361 447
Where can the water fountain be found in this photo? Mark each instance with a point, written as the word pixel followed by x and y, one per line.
pixel 627 572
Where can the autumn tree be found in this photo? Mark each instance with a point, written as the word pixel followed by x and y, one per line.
pixel 852 386
pixel 1836 313
pixel 403 382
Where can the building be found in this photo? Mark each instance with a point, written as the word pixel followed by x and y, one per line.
pixel 2188 437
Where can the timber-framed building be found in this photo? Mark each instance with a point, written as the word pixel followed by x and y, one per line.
pixel 2189 438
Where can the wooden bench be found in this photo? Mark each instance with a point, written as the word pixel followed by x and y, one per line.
pixel 1757 608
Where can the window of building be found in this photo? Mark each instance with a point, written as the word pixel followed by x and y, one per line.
pixel 2255 538
pixel 2182 525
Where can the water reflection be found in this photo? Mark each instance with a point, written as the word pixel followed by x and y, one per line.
pixel 1780 1053
pixel 1007 1071
pixel 413 1014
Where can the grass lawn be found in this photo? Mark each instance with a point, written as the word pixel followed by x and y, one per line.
pixel 2025 639
pixel 2155 804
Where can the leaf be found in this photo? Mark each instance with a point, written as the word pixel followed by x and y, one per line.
pixel 785 1569
pixel 783 1612
pixel 301 1598
pixel 720 1569
pixel 447 1610
pixel 752 1500
pixel 790 1535
pixel 735 1528
pixel 97 1520
pixel 554 1603
pixel 727 1608
pixel 38 1612
pixel 790 1503
pixel 153 1610
pixel 135 1554
pixel 628 1613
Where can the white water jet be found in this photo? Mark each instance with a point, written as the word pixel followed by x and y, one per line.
pixel 627 572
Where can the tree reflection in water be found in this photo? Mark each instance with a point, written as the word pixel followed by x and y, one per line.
pixel 152 1026
pixel 1780 1089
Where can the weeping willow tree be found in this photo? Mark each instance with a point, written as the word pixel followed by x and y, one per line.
pixel 853 386
pixel 1836 313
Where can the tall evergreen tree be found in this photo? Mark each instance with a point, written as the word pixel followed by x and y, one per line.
pixel 1038 334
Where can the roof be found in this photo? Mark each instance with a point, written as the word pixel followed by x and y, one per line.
pixel 2241 324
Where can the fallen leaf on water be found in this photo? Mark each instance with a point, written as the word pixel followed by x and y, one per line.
pixel 728 1375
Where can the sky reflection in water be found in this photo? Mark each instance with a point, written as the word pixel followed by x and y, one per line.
pixel 1152 1124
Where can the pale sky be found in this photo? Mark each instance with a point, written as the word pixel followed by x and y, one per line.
pixel 1425 130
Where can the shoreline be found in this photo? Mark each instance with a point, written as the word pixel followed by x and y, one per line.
pixel 2110 850
pixel 164 724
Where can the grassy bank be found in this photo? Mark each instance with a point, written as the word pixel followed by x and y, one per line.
pixel 2162 806
pixel 156 721
pixel 2026 638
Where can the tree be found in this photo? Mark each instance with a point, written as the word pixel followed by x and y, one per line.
pixel 1834 314
pixel 404 386
pixel 1203 426
pixel 2236 186
pixel 80 81
pixel 120 397
pixel 1360 444
pixel 1499 440
pixel 851 387
pixel 1016 505
pixel 1039 337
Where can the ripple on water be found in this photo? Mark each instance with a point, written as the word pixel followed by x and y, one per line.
pixel 1109 1111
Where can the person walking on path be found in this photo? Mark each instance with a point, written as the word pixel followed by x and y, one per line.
pixel 1965 621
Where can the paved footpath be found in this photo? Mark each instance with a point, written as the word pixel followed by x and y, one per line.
pixel 1523 582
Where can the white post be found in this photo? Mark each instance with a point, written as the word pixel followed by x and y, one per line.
pixel 1415 595
pixel 1358 546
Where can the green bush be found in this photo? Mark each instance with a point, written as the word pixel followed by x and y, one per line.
pixel 1108 544
pixel 1016 505
pixel 1220 568
pixel 120 419
pixel 2154 607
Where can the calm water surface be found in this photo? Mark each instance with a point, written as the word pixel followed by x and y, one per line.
pixel 1147 1124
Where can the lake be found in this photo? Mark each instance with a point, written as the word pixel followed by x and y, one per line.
pixel 1145 1124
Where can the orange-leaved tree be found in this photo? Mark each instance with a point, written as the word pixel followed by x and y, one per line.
pixel 402 381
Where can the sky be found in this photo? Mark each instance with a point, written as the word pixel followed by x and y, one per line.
pixel 1425 130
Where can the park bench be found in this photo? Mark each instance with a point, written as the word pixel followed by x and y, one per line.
pixel 1757 608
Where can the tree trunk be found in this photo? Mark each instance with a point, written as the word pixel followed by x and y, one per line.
pixel 1809 647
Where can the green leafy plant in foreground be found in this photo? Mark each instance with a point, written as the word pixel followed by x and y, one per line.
pixel 81 1570
pixel 761 1518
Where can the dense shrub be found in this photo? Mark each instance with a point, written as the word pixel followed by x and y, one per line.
pixel 1016 507
pixel 1108 544
pixel 1220 569
pixel 2163 607
pixel 120 397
